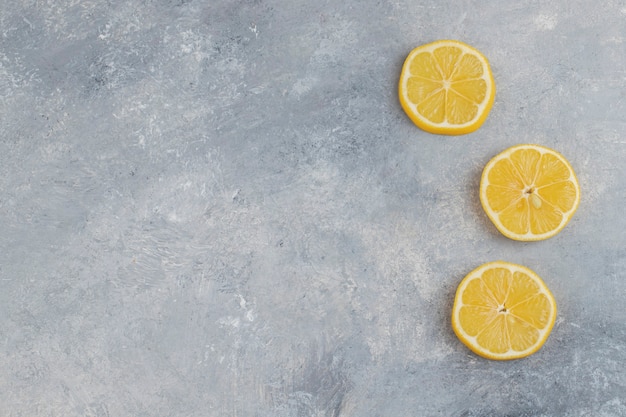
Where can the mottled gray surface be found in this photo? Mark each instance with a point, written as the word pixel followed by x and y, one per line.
pixel 218 208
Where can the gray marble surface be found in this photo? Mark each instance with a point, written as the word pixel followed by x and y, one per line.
pixel 218 208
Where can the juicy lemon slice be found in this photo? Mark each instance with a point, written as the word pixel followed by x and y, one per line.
pixel 529 192
pixel 503 311
pixel 446 87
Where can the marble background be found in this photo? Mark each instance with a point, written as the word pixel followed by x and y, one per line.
pixel 218 208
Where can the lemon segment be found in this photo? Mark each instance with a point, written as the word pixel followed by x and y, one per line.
pixel 446 87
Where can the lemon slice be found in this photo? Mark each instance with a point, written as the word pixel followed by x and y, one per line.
pixel 529 192
pixel 446 87
pixel 503 311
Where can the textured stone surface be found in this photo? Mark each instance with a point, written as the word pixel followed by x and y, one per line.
pixel 218 208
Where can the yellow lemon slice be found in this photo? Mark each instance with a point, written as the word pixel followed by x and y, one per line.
pixel 446 87
pixel 503 311
pixel 529 192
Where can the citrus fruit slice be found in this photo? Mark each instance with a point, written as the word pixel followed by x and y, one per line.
pixel 503 311
pixel 446 87
pixel 529 192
